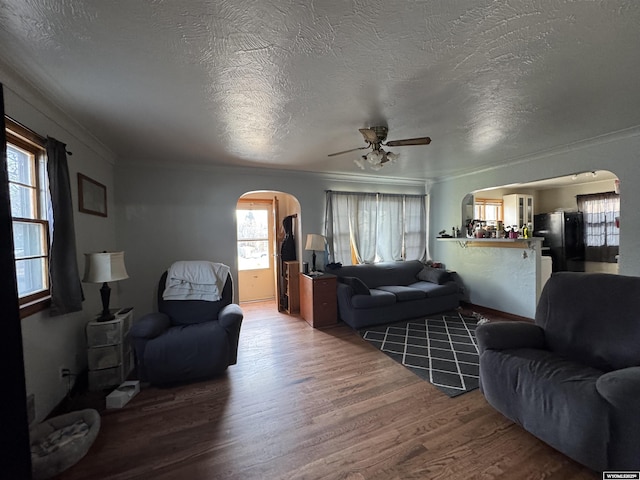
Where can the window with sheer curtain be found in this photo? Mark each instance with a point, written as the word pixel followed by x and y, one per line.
pixel 375 227
pixel 601 233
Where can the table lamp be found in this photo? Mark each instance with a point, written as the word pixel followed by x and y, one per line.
pixel 102 268
pixel 314 242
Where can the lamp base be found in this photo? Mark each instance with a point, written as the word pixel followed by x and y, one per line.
pixel 105 318
pixel 106 315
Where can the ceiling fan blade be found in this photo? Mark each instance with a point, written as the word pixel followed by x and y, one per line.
pixel 409 141
pixel 347 151
pixel 369 135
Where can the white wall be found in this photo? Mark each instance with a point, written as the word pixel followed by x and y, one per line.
pixel 188 213
pixel 553 199
pixel 51 343
pixel 617 153
pixel 485 271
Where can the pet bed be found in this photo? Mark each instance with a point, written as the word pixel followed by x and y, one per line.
pixel 60 442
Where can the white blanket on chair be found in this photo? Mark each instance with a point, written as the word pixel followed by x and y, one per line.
pixel 195 280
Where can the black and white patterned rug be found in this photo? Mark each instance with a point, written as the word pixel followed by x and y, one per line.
pixel 442 349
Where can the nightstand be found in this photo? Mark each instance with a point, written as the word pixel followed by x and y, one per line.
pixel 109 353
pixel 318 299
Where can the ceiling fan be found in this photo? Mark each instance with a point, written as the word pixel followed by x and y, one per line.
pixel 377 158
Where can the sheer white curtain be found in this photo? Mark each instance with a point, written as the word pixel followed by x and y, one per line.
pixel 337 229
pixel 427 213
pixel 351 221
pixel 601 235
pixel 363 214
pixel 379 227
pixel 391 222
pixel 415 226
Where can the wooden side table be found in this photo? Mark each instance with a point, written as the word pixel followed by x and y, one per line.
pixel 318 299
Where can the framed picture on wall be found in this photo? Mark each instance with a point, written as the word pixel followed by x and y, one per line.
pixel 92 196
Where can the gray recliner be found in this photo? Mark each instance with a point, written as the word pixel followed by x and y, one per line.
pixel 572 379
pixel 187 339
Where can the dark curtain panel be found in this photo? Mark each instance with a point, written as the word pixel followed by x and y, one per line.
pixel 601 231
pixel 66 289
pixel 15 459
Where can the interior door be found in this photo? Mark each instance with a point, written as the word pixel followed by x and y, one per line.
pixel 256 274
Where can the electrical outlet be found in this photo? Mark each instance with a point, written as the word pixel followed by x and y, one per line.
pixel 64 372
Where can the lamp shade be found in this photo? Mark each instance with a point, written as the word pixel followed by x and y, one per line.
pixel 314 242
pixel 104 267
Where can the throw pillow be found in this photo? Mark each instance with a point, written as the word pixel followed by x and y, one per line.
pixel 434 275
pixel 359 287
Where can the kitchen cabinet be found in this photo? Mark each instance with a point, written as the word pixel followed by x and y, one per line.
pixel 518 210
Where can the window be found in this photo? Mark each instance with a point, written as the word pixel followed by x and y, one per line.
pixel 375 227
pixel 29 206
pixel 488 209
pixel 601 233
pixel 253 237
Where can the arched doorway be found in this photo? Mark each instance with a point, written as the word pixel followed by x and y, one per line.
pixel 260 235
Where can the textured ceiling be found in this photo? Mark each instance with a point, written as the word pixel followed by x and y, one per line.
pixel 284 83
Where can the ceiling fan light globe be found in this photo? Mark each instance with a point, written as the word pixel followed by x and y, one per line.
pixel 376 167
pixel 392 157
pixel 360 162
pixel 374 158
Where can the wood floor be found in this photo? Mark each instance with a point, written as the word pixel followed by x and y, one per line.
pixel 313 404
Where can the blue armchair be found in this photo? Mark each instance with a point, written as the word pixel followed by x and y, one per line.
pixel 187 339
pixel 572 379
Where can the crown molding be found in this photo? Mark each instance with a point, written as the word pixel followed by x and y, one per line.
pixel 603 139
pixel 274 172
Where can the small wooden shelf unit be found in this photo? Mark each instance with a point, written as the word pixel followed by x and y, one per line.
pixel 291 303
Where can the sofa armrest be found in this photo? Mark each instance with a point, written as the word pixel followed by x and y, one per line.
pixel 150 326
pixel 509 335
pixel 230 316
pixel 621 388
pixel 344 293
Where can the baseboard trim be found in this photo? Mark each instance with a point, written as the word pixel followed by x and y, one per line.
pixel 486 311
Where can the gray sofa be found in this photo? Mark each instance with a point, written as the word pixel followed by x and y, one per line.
pixel 572 379
pixel 379 293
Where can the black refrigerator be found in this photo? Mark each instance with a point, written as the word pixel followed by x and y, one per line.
pixel 563 234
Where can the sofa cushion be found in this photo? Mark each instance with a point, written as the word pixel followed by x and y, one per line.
pixel 377 298
pixel 432 290
pixel 359 287
pixel 403 294
pixel 434 275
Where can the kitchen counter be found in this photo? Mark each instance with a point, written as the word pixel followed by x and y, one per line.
pixel 494 242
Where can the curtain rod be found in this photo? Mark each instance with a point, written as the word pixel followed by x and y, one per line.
pixel 379 193
pixel 41 138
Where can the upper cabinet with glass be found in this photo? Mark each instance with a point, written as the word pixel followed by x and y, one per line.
pixel 518 210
